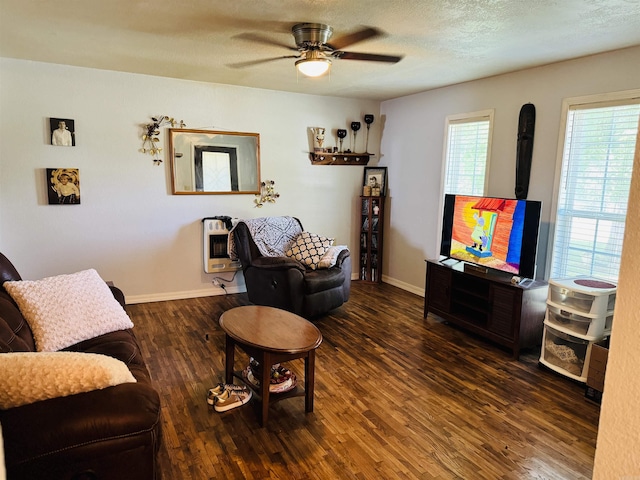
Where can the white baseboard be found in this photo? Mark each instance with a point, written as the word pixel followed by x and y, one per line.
pixel 212 291
pixel 396 283
pixel 163 297
pixel 404 286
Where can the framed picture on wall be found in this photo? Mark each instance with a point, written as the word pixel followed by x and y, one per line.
pixel 63 186
pixel 376 177
pixel 62 132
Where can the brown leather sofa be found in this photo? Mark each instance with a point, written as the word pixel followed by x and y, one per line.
pixel 112 433
pixel 285 283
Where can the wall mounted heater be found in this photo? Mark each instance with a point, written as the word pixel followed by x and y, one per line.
pixel 215 236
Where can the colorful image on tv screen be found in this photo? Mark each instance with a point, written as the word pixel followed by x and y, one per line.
pixel 488 231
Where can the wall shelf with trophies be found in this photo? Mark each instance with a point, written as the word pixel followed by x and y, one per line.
pixel 323 154
pixel 327 158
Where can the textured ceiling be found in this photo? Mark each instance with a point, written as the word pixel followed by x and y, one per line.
pixel 443 42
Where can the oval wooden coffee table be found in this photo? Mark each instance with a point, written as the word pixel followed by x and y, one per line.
pixel 271 336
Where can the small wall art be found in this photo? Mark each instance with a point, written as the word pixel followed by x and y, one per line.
pixel 63 186
pixel 151 139
pixel 62 132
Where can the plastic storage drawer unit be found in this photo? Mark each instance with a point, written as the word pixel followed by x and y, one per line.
pixel 583 295
pixel 565 354
pixel 586 326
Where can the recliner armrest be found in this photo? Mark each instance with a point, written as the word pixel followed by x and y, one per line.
pixel 276 263
pixel 342 256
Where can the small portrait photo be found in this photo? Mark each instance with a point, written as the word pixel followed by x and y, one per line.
pixel 63 186
pixel 375 180
pixel 62 132
pixel 376 177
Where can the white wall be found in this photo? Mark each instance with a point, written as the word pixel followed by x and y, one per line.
pixel 412 146
pixel 413 138
pixel 128 225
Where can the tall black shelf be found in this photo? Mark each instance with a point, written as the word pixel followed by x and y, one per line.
pixel 371 235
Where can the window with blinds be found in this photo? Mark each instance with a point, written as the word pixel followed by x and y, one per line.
pixel 597 162
pixel 467 153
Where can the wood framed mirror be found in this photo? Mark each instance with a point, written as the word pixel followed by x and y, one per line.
pixel 210 162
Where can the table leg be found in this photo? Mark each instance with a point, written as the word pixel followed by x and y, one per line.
pixel 265 365
pixel 229 359
pixel 309 380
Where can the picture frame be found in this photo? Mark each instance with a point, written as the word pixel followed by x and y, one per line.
pixel 62 132
pixel 376 176
pixel 63 186
pixel 214 162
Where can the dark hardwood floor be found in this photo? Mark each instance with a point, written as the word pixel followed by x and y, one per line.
pixel 396 397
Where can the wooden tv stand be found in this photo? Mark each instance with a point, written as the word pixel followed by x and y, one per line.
pixel 487 304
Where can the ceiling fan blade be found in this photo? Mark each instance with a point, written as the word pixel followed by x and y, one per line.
pixel 355 37
pixel 254 37
pixel 371 57
pixel 251 63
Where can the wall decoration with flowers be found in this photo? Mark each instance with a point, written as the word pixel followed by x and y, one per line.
pixel 150 136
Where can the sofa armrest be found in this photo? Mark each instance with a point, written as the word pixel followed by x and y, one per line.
pixel 119 296
pixel 276 263
pixel 113 432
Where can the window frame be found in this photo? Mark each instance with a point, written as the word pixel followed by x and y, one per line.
pixel 573 103
pixel 461 118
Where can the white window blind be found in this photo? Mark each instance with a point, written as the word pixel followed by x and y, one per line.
pixel 594 188
pixel 467 153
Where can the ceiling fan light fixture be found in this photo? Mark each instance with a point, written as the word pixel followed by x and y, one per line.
pixel 314 64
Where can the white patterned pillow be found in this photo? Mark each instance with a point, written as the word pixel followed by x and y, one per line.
pixel 309 248
pixel 29 377
pixel 67 309
pixel 330 258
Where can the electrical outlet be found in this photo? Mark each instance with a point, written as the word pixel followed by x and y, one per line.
pixel 216 282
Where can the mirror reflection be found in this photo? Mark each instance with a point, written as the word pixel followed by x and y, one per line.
pixel 214 162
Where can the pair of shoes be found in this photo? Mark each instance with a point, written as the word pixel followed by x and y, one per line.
pixel 219 389
pixel 230 399
pixel 285 380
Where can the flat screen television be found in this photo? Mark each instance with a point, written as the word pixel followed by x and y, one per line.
pixel 496 233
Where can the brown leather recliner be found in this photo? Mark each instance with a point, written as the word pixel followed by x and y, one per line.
pixel 282 282
pixel 112 433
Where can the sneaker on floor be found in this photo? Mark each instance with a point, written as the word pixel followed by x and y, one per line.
pixel 230 399
pixel 219 389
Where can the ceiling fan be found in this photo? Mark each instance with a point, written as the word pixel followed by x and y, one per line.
pixel 315 50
